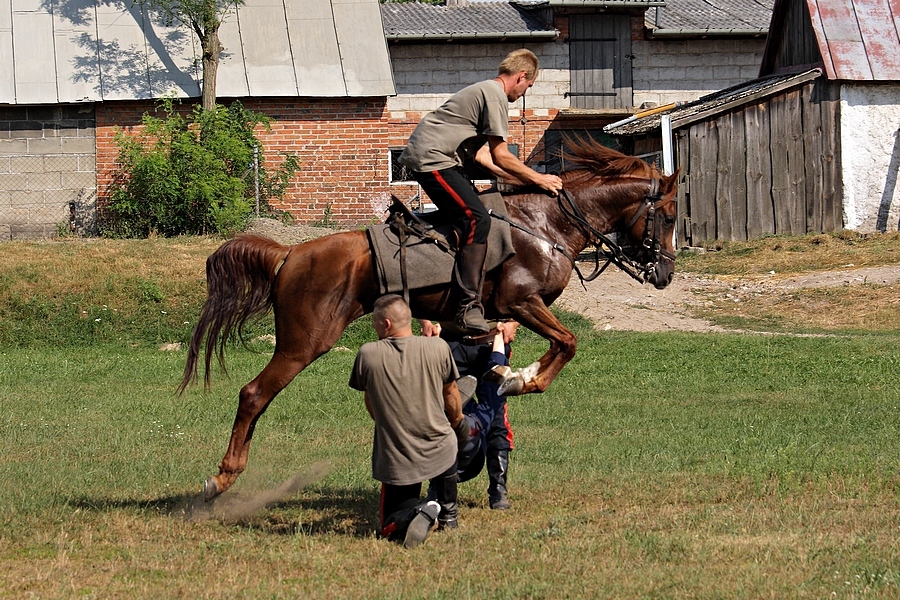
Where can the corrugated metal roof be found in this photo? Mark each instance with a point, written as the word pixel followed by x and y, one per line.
pixel 95 50
pixel 859 39
pixel 412 20
pixel 715 103
pixel 681 18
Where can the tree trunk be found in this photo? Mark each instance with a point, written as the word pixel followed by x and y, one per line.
pixel 212 47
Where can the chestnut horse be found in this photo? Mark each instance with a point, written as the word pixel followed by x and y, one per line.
pixel 317 288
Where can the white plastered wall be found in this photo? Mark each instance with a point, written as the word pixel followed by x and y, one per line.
pixel 870 156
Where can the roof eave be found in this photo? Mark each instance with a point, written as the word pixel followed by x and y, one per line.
pixel 708 32
pixel 450 37
pixel 606 3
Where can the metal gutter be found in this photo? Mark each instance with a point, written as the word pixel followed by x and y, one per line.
pixel 417 37
pixel 679 33
pixel 606 3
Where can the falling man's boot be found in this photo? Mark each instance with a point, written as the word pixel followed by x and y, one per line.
pixel 468 275
pixel 497 468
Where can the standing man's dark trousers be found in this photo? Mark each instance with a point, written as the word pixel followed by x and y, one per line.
pixel 401 508
pixel 457 201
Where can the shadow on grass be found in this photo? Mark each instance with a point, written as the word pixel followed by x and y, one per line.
pixel 325 511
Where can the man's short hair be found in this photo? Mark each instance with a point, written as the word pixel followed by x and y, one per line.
pixel 393 307
pixel 518 61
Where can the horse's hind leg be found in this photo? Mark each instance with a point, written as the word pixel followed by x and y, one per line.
pixel 253 400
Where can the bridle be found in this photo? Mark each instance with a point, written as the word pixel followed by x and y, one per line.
pixel 603 244
pixel 628 261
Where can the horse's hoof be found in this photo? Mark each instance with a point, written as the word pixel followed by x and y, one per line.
pixel 498 374
pixel 210 489
pixel 512 386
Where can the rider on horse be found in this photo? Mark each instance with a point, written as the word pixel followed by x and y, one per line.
pixel 454 134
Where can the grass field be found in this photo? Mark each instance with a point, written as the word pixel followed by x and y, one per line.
pixel 669 465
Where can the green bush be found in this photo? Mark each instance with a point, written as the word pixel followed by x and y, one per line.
pixel 193 175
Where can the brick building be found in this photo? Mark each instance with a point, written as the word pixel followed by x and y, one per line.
pixel 344 93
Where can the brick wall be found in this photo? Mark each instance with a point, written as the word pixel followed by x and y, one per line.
pixel 342 145
pixel 47 182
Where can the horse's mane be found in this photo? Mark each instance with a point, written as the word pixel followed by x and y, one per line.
pixel 605 162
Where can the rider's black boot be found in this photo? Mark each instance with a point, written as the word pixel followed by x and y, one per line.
pixel 468 274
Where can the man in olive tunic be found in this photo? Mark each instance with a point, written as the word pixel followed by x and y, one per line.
pixel 410 392
pixel 473 126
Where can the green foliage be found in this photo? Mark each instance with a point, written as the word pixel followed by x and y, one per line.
pixel 191 175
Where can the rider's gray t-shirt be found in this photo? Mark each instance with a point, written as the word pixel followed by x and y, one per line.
pixel 404 379
pixel 466 120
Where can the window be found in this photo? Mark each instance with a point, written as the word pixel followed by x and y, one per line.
pixel 399 173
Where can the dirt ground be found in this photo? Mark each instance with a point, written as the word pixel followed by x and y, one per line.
pixel 615 301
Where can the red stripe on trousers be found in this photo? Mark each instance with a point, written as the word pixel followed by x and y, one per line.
pixel 458 199
pixel 509 432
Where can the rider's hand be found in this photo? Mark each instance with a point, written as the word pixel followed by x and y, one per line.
pixel 551 183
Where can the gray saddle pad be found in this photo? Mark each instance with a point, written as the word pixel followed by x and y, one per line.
pixel 428 264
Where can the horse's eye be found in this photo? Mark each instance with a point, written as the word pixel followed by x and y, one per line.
pixel 669 220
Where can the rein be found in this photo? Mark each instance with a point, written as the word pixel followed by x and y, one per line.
pixel 613 252
pixel 603 244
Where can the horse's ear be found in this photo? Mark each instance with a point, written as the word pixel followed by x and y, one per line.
pixel 671 181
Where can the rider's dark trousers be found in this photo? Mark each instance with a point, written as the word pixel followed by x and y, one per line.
pixel 457 201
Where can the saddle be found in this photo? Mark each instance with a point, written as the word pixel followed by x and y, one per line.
pixel 410 252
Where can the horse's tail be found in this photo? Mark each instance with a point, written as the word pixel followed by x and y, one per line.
pixel 239 280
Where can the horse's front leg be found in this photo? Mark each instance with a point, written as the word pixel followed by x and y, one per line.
pixel 538 376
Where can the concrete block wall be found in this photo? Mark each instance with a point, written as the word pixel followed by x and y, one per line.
pixel 427 74
pixel 666 71
pixel 47 171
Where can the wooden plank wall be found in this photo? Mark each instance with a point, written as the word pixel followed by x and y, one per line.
pixel 767 168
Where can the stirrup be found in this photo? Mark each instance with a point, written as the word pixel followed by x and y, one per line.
pixel 471 320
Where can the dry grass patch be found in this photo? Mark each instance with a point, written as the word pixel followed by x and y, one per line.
pixel 863 308
pixel 794 254
pixel 94 266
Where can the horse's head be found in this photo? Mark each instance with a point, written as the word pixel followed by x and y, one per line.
pixel 633 199
pixel 651 231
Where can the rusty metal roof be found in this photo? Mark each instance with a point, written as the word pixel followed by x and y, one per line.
pixel 857 40
pixel 61 51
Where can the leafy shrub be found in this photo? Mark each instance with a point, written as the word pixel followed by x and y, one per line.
pixel 191 175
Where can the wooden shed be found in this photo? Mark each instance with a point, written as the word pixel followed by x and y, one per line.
pixel 809 146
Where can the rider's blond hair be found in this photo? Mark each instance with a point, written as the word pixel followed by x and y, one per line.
pixel 518 61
